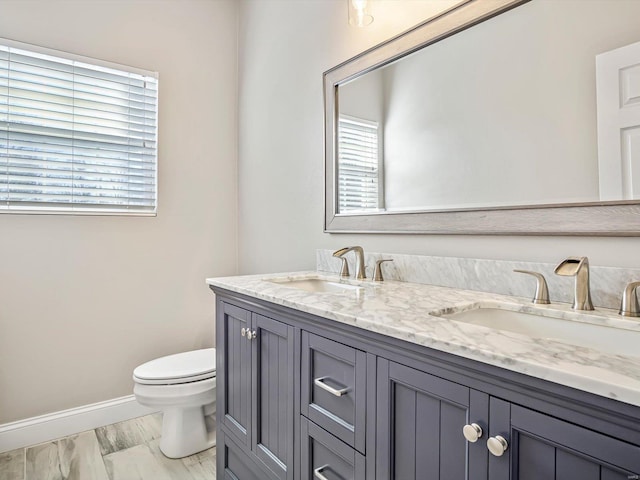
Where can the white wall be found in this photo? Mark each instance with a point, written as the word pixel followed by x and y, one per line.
pixel 83 300
pixel 281 147
pixel 363 98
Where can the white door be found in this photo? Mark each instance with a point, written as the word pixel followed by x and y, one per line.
pixel 618 96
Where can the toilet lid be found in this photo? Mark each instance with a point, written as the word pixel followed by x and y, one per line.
pixel 187 366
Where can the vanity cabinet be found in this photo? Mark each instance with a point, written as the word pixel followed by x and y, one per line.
pixel 303 397
pixel 255 371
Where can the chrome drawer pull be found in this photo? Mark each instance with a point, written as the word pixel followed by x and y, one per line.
pixel 319 382
pixel 317 473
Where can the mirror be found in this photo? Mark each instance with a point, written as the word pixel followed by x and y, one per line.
pixel 491 129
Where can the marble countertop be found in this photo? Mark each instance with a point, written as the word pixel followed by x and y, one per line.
pixel 406 311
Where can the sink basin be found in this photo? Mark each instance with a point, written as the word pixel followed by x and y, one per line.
pixel 576 331
pixel 317 285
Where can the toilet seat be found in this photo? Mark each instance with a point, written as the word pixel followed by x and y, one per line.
pixel 179 368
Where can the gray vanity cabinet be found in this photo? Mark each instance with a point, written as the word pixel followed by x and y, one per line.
pixel 419 425
pixel 255 387
pixel 542 447
pixel 303 397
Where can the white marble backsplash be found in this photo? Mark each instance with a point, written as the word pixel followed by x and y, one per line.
pixel 495 276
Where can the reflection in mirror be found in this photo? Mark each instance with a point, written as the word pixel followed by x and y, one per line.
pixel 359 165
pixel 501 114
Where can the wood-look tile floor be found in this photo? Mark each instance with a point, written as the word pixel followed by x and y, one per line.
pixel 122 451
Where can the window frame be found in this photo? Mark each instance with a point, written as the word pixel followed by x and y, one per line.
pixel 79 209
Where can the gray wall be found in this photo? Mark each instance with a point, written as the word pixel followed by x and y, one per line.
pixel 84 299
pixel 281 148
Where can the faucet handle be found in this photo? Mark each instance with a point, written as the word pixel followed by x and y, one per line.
pixel 541 296
pixel 377 271
pixel 344 269
pixel 629 305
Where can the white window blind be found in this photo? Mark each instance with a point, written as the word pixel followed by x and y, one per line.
pixel 75 136
pixel 358 165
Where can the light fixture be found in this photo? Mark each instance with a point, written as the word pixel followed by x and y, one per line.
pixel 360 13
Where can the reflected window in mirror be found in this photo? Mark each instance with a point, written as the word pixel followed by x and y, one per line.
pixel 359 169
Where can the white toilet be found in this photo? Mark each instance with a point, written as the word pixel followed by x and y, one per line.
pixel 182 386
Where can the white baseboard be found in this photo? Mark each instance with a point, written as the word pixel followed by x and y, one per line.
pixel 51 426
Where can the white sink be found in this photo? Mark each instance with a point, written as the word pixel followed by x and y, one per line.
pixel 575 328
pixel 317 285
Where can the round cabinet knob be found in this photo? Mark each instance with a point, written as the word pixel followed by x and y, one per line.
pixel 472 432
pixel 497 445
pixel 243 331
pixel 251 335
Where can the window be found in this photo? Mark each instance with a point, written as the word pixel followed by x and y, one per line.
pixel 358 165
pixel 76 135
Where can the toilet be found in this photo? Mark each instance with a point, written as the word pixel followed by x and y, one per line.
pixel 183 387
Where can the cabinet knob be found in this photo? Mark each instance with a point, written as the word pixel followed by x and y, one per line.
pixel 472 432
pixel 251 335
pixel 243 331
pixel 497 445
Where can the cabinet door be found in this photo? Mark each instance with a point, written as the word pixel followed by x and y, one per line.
pixel 272 380
pixel 234 371
pixel 546 448
pixel 420 418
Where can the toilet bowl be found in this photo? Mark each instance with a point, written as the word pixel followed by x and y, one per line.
pixel 183 387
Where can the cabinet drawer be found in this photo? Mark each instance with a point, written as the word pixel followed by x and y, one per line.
pixel 325 457
pixel 333 388
pixel 232 462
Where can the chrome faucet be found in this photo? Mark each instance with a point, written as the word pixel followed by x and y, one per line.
pixel 579 268
pixel 359 252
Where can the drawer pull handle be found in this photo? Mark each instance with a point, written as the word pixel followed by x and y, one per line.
pixel 317 473
pixel 319 382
